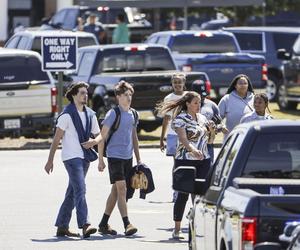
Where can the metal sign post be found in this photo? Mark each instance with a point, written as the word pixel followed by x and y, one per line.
pixel 59 53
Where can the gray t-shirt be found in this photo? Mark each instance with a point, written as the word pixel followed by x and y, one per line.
pixel 120 145
pixel 209 109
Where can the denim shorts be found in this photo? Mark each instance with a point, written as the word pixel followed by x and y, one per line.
pixel 171 145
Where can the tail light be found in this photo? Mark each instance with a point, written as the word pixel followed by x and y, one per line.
pixel 264 72
pixel 187 68
pixel 208 87
pixel 248 237
pixel 53 100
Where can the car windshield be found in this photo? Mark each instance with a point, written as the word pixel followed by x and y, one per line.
pixel 275 156
pixel 150 59
pixel 204 44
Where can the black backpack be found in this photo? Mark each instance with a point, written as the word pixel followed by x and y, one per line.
pixel 116 125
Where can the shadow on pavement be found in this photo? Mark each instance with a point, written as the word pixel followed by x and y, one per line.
pixel 92 238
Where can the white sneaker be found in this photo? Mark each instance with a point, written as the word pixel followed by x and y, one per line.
pixel 177 235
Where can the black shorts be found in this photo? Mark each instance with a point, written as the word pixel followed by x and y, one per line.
pixel 118 169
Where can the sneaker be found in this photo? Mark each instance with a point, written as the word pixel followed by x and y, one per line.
pixel 87 230
pixel 61 232
pixel 130 230
pixel 107 230
pixel 177 235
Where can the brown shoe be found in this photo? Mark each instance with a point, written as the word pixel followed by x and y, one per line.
pixel 61 232
pixel 87 230
pixel 107 230
pixel 130 230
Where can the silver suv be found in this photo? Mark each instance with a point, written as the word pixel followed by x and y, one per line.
pixel 27 95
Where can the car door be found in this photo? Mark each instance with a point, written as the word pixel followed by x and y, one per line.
pixel 292 71
pixel 205 210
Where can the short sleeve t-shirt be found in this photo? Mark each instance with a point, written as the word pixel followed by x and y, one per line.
pixel 71 147
pixel 197 135
pixel 120 145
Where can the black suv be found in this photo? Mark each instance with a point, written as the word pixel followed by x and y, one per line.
pixel 266 41
pixel 289 91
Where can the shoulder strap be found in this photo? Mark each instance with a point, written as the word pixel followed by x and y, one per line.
pixel 135 115
pixel 115 124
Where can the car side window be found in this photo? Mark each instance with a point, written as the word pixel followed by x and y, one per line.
pixel 152 39
pixel 284 40
pixel 231 157
pixel 59 17
pixel 85 63
pixel 163 40
pixel 250 41
pixel 13 43
pixel 23 43
pixel 218 165
pixel 70 19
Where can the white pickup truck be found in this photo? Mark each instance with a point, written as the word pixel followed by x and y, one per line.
pixel 27 95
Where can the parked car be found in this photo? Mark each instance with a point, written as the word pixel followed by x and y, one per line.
pixel 216 53
pixel 148 67
pixel 31 39
pixel 266 41
pixel 66 19
pixel 254 188
pixel 289 90
pixel 27 95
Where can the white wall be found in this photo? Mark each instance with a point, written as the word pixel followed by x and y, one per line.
pixel 63 3
pixel 3 19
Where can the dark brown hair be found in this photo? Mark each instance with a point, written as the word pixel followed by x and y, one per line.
pixel 73 89
pixel 122 87
pixel 177 105
pixel 265 98
pixel 235 80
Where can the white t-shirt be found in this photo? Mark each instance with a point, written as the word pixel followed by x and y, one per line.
pixel 172 97
pixel 71 147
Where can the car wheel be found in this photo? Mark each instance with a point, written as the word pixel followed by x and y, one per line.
pixel 282 101
pixel 272 88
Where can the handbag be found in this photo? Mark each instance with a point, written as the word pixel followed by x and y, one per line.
pixel 184 179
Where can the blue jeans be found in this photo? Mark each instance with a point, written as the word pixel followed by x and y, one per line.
pixel 75 195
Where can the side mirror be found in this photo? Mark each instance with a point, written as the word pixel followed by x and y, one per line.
pixel 283 54
pixel 267 246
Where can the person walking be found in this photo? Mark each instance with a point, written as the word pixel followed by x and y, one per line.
pixel 261 102
pixel 237 102
pixel 211 112
pixel 178 84
pixel 74 126
pixel 121 32
pixel 95 27
pixel 119 156
pixel 193 131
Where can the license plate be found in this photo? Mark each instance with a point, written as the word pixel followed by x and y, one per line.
pixel 12 123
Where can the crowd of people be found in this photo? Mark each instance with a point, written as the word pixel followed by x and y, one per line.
pixel 190 123
pixel 120 34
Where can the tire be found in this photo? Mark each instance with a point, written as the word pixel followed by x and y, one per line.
pixel 282 101
pixel 272 88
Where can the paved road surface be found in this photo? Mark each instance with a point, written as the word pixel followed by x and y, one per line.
pixel 30 201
